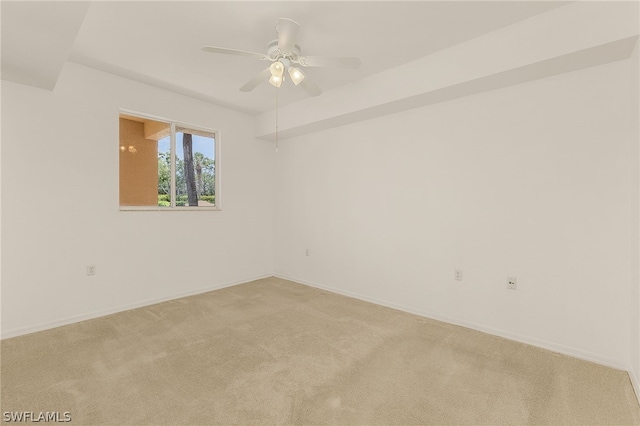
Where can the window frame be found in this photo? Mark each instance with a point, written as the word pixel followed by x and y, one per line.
pixel 173 124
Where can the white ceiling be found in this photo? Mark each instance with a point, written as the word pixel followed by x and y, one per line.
pixel 37 38
pixel 158 42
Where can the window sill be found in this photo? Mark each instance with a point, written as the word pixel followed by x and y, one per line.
pixel 168 209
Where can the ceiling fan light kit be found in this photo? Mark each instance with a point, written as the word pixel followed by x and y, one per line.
pixel 284 55
pixel 276 80
pixel 277 69
pixel 296 75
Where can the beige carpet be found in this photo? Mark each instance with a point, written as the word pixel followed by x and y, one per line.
pixel 276 352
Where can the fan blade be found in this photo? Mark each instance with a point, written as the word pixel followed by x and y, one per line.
pixel 325 61
pixel 310 87
pixel 213 49
pixel 287 33
pixel 255 81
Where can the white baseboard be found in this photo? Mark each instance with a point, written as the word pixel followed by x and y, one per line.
pixel 551 346
pixel 97 314
pixel 635 383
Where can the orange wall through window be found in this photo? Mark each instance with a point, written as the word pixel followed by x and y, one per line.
pixel 139 162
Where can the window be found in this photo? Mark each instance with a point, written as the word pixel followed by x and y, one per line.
pixel 167 165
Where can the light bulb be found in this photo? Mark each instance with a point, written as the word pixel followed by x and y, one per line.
pixel 296 75
pixel 276 80
pixel 276 68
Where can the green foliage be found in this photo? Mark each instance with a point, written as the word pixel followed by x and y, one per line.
pixel 164 201
pixel 204 168
pixel 164 173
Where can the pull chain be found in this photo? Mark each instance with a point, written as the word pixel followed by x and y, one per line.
pixel 276 119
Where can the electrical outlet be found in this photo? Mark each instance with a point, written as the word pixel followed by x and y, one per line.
pixel 91 269
pixel 512 283
pixel 306 253
pixel 457 274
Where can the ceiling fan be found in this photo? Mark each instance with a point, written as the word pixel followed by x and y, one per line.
pixel 284 55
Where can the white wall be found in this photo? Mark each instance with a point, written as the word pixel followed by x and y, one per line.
pixel 533 180
pixel 634 297
pixel 60 205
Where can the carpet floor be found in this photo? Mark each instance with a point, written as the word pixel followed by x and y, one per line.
pixel 276 352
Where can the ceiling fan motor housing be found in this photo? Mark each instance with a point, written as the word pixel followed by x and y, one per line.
pixel 287 58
